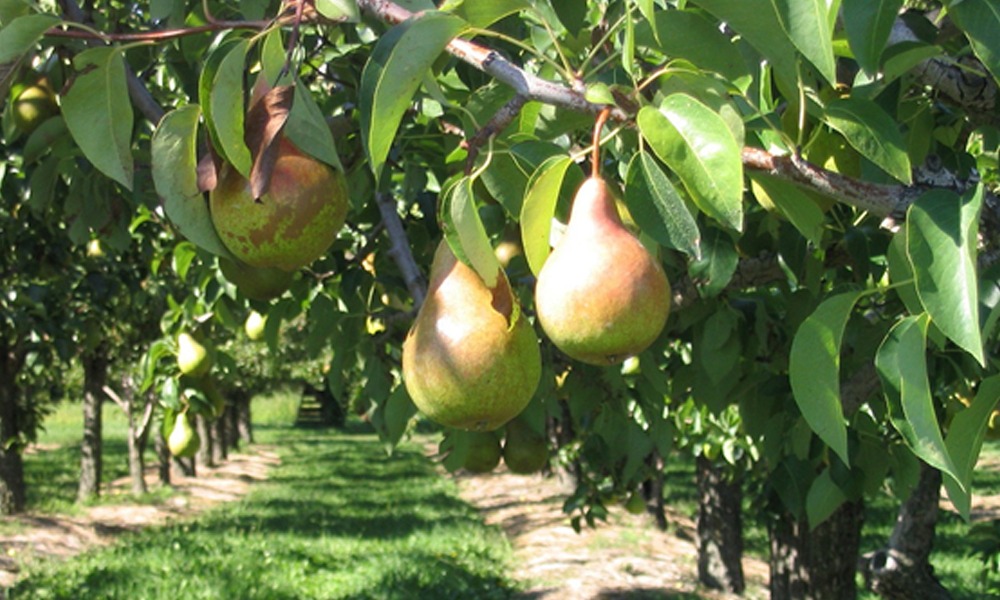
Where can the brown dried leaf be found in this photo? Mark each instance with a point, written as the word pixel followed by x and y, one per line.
pixel 265 121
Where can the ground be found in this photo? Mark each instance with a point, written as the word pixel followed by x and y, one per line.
pixel 626 557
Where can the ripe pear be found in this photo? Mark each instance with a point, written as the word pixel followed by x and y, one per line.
pixel 471 360
pixel 524 449
pixel 601 296
pixel 484 453
pixel 183 441
pixel 254 325
pixel 192 357
pixel 293 223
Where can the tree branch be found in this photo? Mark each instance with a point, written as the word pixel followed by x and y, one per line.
pixel 399 248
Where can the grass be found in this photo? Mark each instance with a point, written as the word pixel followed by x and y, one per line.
pixel 337 519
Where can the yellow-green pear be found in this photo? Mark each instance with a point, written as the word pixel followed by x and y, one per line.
pixel 471 360
pixel 192 358
pixel 254 325
pixel 601 296
pixel 183 440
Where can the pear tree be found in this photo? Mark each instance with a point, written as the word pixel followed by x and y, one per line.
pixel 806 190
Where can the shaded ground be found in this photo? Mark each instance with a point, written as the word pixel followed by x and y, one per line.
pixel 29 537
pixel 624 558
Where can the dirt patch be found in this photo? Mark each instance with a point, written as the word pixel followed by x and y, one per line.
pixel 35 537
pixel 625 557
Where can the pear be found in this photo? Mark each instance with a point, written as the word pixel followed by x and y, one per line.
pixel 183 441
pixel 192 358
pixel 484 453
pixel 601 296
pixel 635 504
pixel 254 325
pixel 524 449
pixel 471 360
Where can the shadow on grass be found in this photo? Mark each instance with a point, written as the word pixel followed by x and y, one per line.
pixel 337 519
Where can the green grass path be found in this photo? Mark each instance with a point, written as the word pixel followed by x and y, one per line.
pixel 337 519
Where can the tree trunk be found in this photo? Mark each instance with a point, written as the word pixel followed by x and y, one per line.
pixel 902 569
pixel 204 455
pixel 720 529
pixel 243 422
pixel 818 564
pixel 12 488
pixel 219 450
pixel 163 456
pixel 232 418
pixel 138 435
pixel 95 375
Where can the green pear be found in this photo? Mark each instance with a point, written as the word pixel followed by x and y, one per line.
pixel 183 441
pixel 192 357
pixel 471 360
pixel 484 452
pixel 601 296
pixel 254 325
pixel 524 449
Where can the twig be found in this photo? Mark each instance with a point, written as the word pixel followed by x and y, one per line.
pixel 399 248
pixel 497 123
pixel 110 393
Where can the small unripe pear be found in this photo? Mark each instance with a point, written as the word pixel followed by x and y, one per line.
pixel 254 325
pixel 192 358
pixel 183 440
pixel 601 296
pixel 484 453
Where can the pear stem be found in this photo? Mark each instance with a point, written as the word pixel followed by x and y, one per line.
pixel 595 158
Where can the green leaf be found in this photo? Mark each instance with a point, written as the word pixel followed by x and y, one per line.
pixel 483 13
pixel 175 175
pixel 823 499
pixel 941 235
pixel 339 10
pixel 699 147
pixel 965 440
pixel 868 24
pixel 465 232
pixel 980 20
pixel 872 132
pixel 792 202
pixel 687 35
pixel 658 208
pixel 226 115
pixel 718 262
pixel 307 128
pixel 98 112
pixel 539 207
pixel 814 370
pixel 902 366
pixel 21 34
pixel 393 416
pixel 781 30
pixel 393 74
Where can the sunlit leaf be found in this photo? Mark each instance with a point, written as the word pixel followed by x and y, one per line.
pixel 539 208
pixel 941 236
pixel 868 24
pixel 658 208
pixel 872 132
pixel 393 74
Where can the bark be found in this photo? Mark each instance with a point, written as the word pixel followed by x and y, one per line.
pixel 163 457
pixel 205 454
pixel 902 569
pixel 818 564
pixel 231 417
pixel 95 374
pixel 243 422
pixel 720 529
pixel 138 436
pixel 12 488
pixel 219 451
